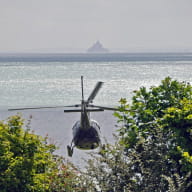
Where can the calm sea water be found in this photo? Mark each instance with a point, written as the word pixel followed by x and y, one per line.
pixel 54 79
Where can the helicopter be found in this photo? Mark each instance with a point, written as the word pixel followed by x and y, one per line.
pixel 86 131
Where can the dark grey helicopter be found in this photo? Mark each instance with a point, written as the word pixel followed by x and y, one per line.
pixel 86 131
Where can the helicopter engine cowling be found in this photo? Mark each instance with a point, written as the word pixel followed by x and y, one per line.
pixel 88 138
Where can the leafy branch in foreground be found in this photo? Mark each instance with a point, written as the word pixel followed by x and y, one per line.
pixel 178 184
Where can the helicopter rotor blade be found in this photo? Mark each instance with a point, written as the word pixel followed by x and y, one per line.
pixel 82 92
pixel 94 92
pixel 28 108
pixel 47 107
pixel 105 108
pixel 110 108
pixel 80 110
pixel 76 105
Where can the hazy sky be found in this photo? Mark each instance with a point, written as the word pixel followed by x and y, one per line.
pixel 74 25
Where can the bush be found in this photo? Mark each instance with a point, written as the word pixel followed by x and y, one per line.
pixel 168 106
pixel 153 152
pixel 27 162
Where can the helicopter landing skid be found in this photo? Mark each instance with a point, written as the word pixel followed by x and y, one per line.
pixel 70 150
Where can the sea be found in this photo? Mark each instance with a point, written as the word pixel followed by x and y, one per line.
pixel 35 80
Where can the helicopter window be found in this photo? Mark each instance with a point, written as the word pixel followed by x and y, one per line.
pixel 76 125
pixel 95 124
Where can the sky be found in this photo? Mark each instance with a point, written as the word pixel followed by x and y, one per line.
pixel 74 25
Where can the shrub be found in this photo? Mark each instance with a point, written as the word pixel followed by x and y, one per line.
pixel 27 162
pixel 153 152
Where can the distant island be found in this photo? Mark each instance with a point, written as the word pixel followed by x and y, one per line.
pixel 97 48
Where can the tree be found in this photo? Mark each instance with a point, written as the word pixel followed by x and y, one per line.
pixel 154 146
pixel 143 168
pixel 27 161
pixel 168 106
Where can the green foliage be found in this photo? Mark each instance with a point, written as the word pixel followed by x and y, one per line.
pixel 141 169
pixel 23 156
pixel 179 120
pixel 178 183
pixel 154 150
pixel 27 162
pixel 66 178
pixel 169 105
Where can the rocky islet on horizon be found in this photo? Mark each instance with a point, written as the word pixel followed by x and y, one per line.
pixel 97 48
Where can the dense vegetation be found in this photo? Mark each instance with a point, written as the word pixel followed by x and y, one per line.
pixel 153 150
pixel 27 162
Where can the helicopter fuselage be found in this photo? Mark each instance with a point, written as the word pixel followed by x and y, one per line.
pixel 86 138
